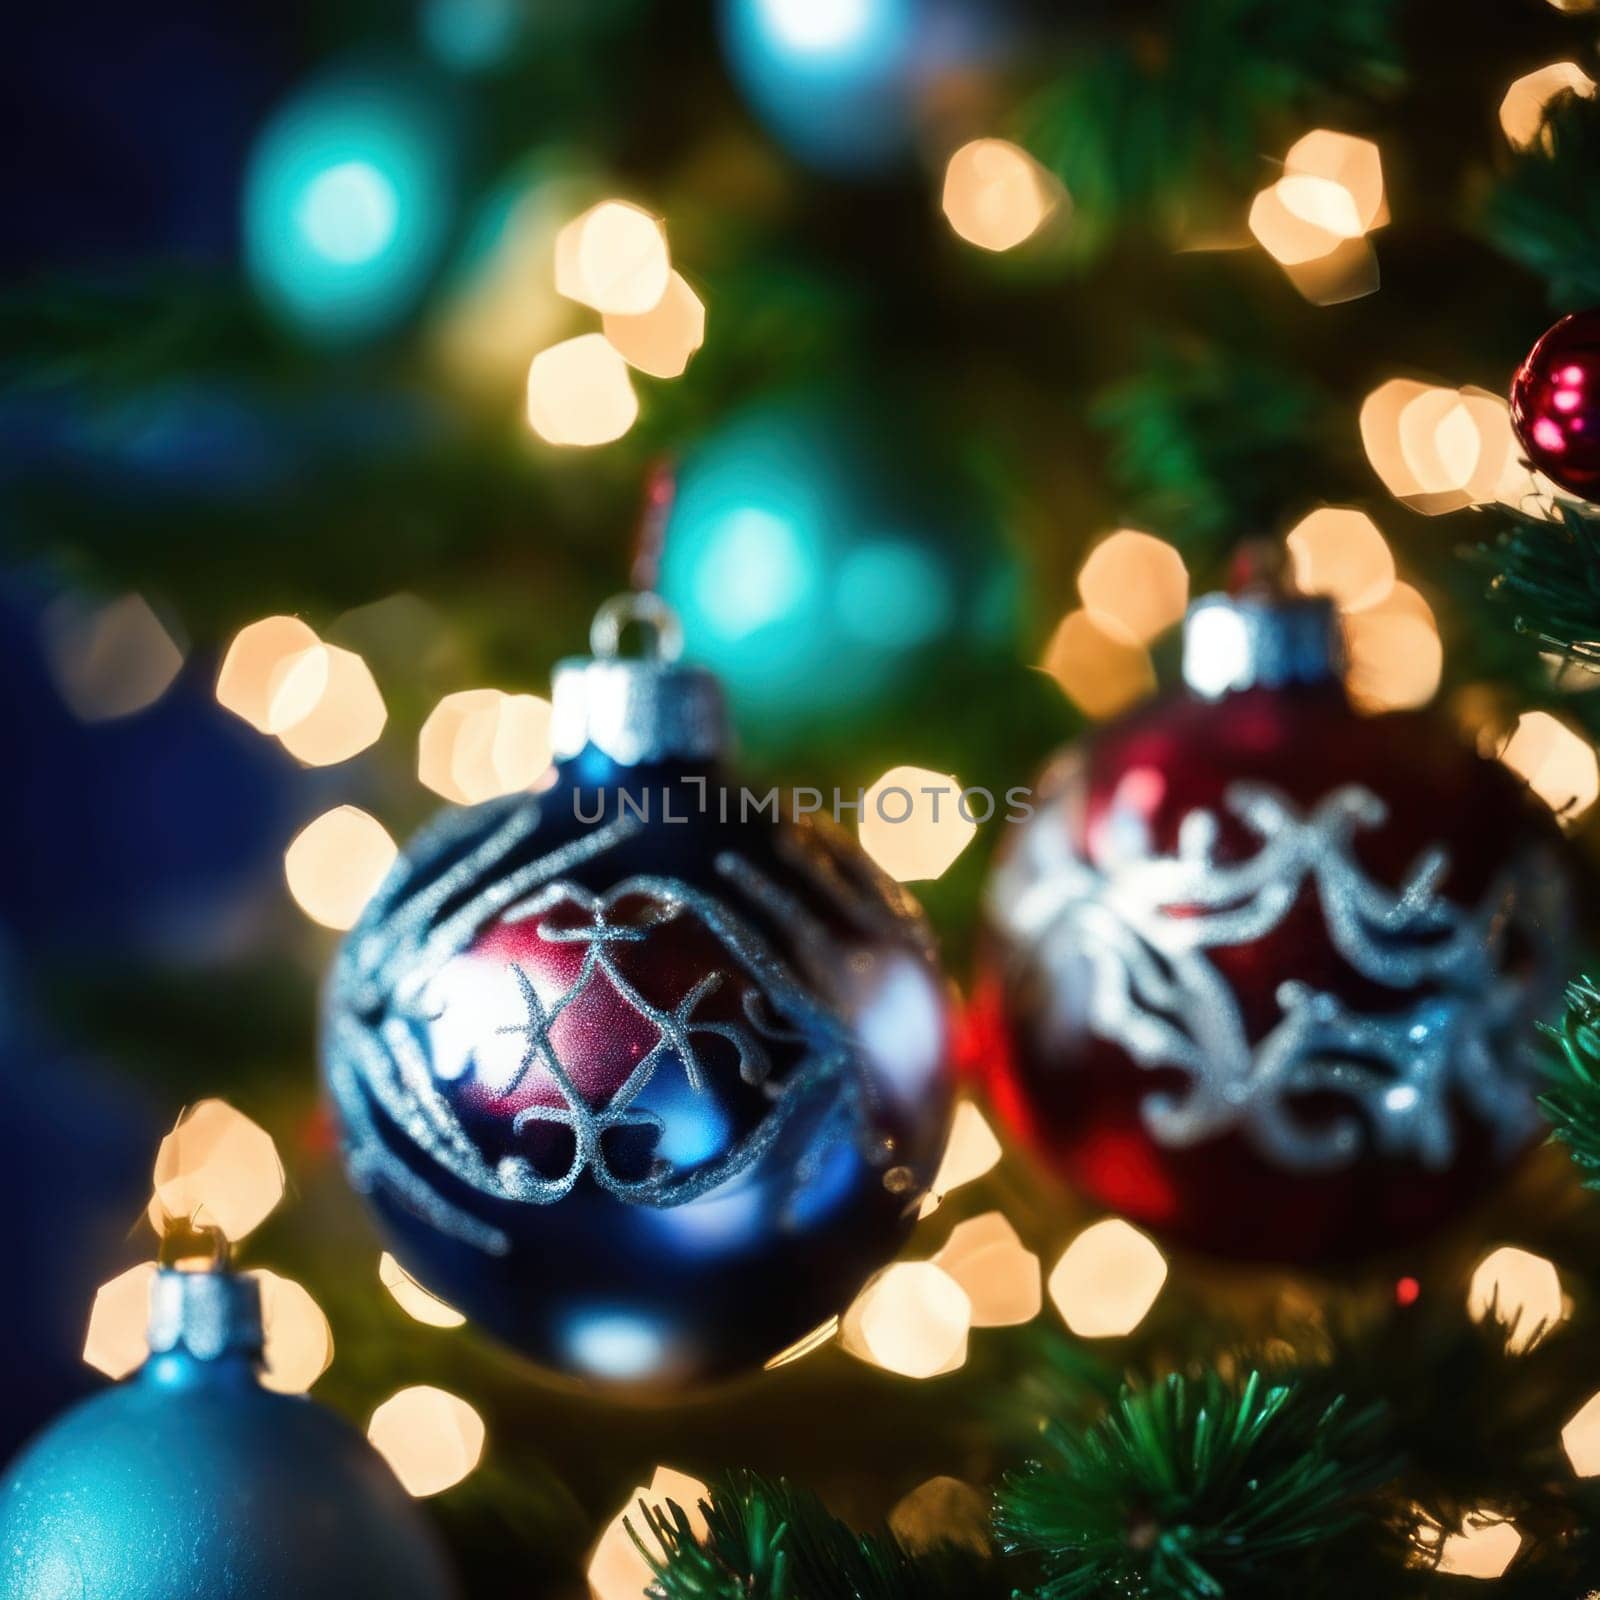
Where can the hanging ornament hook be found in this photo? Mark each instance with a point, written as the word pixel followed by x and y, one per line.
pixel 649 611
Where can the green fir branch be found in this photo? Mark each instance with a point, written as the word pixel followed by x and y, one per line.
pixel 1545 212
pixel 1550 572
pixel 1190 1490
pixel 767 1540
pixel 1572 1098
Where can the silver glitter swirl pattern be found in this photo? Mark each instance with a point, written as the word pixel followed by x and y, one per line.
pixel 1129 966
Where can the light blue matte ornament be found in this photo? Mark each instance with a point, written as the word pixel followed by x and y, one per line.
pixel 193 1482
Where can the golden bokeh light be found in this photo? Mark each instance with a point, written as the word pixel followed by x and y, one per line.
pixel 1439 449
pixel 334 865
pixel 1483 1546
pixel 996 195
pixel 999 1273
pixel 1107 1280
pixel 914 823
pixel 1522 1292
pixel 1339 552
pixel 579 393
pixel 1336 181
pixel 1395 657
pixel 250 680
pixel 1528 101
pixel 1101 667
pixel 1289 238
pixel 297 1343
pixel 661 340
pixel 1348 272
pixel 117 1341
pixel 1136 583
pixel 617 1568
pixel 614 258
pixel 413 1299
pixel 807 1344
pixel 326 706
pixel 1556 762
pixel 942 1511
pixel 971 1150
pixel 216 1169
pixel 912 1319
pixel 1581 1439
pixel 481 743
pixel 432 1439
pixel 110 660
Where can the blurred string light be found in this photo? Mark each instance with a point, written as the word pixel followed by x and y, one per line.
pixel 1581 1439
pixel 1107 1280
pixel 297 1345
pixel 614 258
pixel 348 201
pixel 579 393
pixel 617 1567
pixel 1314 220
pixel 661 340
pixel 1439 449
pixel 216 1169
pixel 1521 1291
pixel 1527 102
pixel 998 1272
pixel 336 862
pixel 1395 656
pixel 971 1151
pixel 1101 667
pixel 116 1342
pixel 1338 552
pixel 911 1319
pixel 413 1299
pixel 432 1439
pixel 109 660
pixel 1136 582
pixel 472 35
pixel 478 744
pixel 913 823
pixel 1556 762
pixel 251 676
pixel 996 195
pixel 1483 1546
pixel 942 1511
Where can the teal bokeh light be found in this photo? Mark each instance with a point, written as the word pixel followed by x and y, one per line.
pixel 822 556
pixel 348 202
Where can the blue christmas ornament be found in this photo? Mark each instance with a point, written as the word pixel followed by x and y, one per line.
pixel 193 1480
pixel 640 1073
pixel 823 558
pixel 842 84
pixel 349 201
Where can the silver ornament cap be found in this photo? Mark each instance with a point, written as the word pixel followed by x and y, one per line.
pixel 637 709
pixel 1260 638
pixel 210 1314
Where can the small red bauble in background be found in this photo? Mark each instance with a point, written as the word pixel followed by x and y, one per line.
pixel 1555 404
pixel 1261 973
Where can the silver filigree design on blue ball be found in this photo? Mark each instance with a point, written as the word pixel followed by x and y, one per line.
pixel 1128 939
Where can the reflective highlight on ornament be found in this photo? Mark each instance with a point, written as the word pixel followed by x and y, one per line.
pixel 614 258
pixel 996 195
pixel 817 1339
pixel 334 865
pixel 1519 1290
pixel 972 1150
pixel 660 341
pixel 911 1319
pixel 216 1169
pixel 431 1438
pixel 413 1299
pixel 914 823
pixel 109 660
pixel 1527 102
pixel 116 1342
pixel 1339 552
pixel 999 1273
pixel 617 1568
pixel 618 1345
pixel 1556 762
pixel 1107 1280
pixel 1101 667
pixel 478 744
pixel 1135 583
pixel 297 1347
pixel 579 393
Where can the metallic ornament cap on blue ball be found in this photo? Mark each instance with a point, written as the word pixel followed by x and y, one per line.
pixel 640 1074
pixel 192 1479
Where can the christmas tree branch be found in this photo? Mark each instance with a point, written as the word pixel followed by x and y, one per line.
pixel 1572 1099
pixel 1192 1490
pixel 1550 572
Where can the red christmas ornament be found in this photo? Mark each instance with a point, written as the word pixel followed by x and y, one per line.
pixel 1262 973
pixel 1555 403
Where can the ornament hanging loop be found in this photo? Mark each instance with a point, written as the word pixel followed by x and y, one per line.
pixel 644 608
